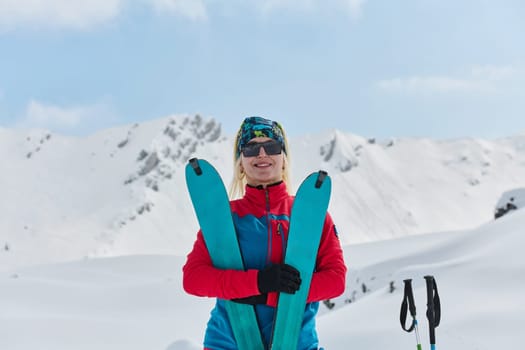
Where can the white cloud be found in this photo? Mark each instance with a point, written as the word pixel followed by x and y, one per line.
pixel 431 84
pixel 85 14
pixel 353 7
pixel 275 5
pixel 65 119
pixel 192 9
pixel 490 72
pixel 41 114
pixel 479 79
pixel 77 14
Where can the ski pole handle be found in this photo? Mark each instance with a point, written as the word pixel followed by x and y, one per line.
pixel 433 309
pixel 408 304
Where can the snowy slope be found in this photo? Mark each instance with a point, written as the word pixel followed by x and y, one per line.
pixel 477 273
pixel 137 302
pixel 69 198
pixel 121 191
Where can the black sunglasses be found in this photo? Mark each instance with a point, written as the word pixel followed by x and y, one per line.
pixel 271 148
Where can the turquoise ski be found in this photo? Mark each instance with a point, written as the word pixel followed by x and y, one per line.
pixel 306 226
pixel 212 208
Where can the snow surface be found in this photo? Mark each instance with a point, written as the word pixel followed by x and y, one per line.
pixel 94 233
pixel 137 302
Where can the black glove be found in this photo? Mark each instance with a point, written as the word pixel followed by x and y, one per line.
pixel 253 300
pixel 279 278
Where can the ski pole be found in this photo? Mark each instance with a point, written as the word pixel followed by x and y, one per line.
pixel 408 303
pixel 433 309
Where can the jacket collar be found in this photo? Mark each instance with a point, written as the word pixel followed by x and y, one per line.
pixel 271 195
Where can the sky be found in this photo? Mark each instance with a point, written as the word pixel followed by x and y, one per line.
pixel 418 68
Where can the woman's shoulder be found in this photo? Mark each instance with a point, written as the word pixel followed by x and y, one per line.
pixel 241 206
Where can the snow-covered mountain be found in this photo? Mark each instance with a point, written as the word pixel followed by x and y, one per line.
pixel 122 191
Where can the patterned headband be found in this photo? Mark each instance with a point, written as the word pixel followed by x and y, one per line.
pixel 253 127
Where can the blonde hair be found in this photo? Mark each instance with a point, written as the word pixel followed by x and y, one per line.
pixel 238 184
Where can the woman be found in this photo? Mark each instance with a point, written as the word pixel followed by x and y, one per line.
pixel 261 218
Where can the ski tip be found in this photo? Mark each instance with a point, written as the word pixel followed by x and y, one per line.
pixel 321 176
pixel 194 162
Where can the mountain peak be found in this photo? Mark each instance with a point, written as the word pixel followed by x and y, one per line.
pixel 177 141
pixel 122 190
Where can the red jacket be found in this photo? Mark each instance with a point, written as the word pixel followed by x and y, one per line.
pixel 261 219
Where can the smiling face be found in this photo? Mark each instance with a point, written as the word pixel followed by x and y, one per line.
pixel 262 169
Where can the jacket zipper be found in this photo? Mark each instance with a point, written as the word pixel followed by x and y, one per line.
pixel 280 232
pixel 269 249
